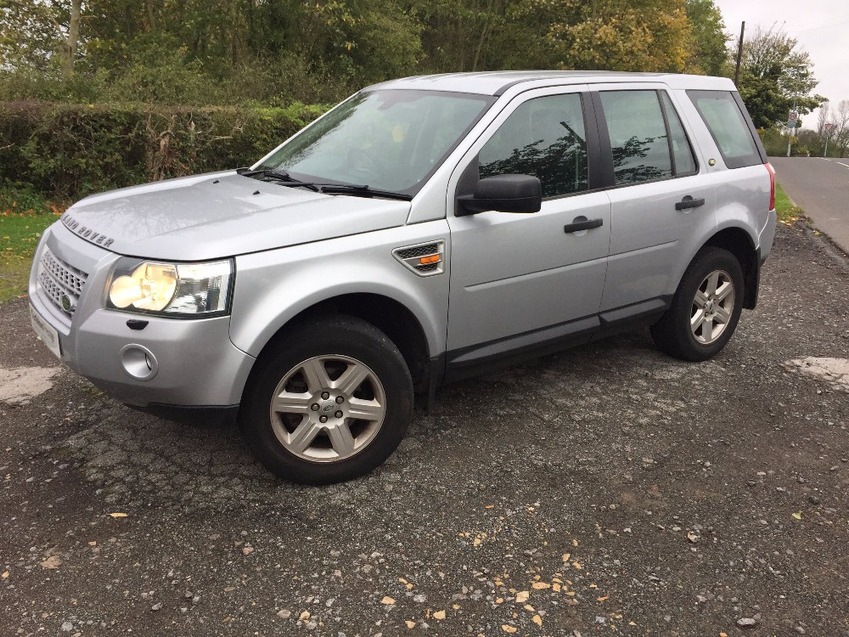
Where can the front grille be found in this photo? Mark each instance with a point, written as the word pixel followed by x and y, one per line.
pixel 60 281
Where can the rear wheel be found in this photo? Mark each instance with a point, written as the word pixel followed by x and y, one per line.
pixel 328 402
pixel 705 309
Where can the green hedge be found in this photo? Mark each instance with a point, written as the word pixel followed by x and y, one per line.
pixel 67 151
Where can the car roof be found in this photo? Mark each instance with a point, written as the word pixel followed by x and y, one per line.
pixel 498 82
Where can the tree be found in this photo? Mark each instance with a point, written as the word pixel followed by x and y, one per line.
pixel 622 35
pixel 841 127
pixel 709 53
pixel 28 37
pixel 776 76
pixel 459 35
pixel 822 118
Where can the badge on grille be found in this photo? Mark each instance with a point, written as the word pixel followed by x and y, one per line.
pixel 67 303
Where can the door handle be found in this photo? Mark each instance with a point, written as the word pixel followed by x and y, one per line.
pixel 577 226
pixel 689 202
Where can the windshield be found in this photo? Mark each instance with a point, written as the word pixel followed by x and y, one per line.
pixel 387 139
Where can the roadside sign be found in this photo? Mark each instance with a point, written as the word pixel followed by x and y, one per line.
pixel 829 128
pixel 791 120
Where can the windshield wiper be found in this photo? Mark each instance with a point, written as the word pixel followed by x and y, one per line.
pixel 285 179
pixel 361 191
pixel 276 174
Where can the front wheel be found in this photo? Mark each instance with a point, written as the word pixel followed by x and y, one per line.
pixel 705 309
pixel 328 402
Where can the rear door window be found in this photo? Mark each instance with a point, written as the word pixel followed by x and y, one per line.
pixel 728 126
pixel 647 139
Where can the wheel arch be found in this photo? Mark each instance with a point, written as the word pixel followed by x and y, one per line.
pixel 387 314
pixel 739 243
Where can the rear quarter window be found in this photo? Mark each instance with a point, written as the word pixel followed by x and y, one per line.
pixel 729 126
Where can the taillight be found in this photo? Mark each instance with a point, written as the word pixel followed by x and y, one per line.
pixel 771 172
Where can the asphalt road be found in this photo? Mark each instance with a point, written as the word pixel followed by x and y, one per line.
pixel 608 490
pixel 821 188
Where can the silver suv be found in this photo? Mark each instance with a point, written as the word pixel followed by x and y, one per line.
pixel 424 230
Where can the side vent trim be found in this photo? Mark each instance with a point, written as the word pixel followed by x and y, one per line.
pixel 425 259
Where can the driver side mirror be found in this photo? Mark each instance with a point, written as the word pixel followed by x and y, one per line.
pixel 502 193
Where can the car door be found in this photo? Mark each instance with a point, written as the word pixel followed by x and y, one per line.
pixel 526 280
pixel 659 202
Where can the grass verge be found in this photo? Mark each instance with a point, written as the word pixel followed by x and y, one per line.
pixel 19 235
pixel 787 211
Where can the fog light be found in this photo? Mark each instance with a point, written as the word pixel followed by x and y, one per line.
pixel 139 362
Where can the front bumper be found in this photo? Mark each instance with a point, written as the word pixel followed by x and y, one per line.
pixel 186 362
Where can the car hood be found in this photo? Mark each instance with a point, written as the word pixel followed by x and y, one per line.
pixel 220 215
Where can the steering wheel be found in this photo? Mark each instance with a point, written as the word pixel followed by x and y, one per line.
pixel 362 162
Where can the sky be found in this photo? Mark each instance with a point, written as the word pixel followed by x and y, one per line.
pixel 821 28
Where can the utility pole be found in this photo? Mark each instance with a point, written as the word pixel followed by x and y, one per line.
pixel 739 52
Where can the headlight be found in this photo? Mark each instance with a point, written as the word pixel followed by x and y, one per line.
pixel 180 289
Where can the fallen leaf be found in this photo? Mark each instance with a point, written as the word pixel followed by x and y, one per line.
pixel 457 606
pixel 5 575
pixel 499 600
pixel 522 597
pixel 575 542
pixel 247 550
pixel 507 628
pixel 537 620
pixel 578 566
pixel 797 516
pixel 540 585
pixel 118 515
pixel 440 614
pixel 52 562
pixel 693 537
pixel 529 608
pixel 555 587
pixel 567 557
pixel 304 616
pixel 410 624
pixel 387 600
pixel 603 598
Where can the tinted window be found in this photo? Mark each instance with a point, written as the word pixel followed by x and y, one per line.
pixel 637 136
pixel 544 137
pixel 683 161
pixel 728 126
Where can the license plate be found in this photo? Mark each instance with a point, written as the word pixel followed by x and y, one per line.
pixel 45 332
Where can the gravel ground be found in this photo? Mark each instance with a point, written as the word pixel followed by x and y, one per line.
pixel 607 490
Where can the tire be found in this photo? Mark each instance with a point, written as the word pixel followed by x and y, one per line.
pixel 705 309
pixel 327 402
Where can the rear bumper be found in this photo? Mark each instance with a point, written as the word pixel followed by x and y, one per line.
pixel 767 235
